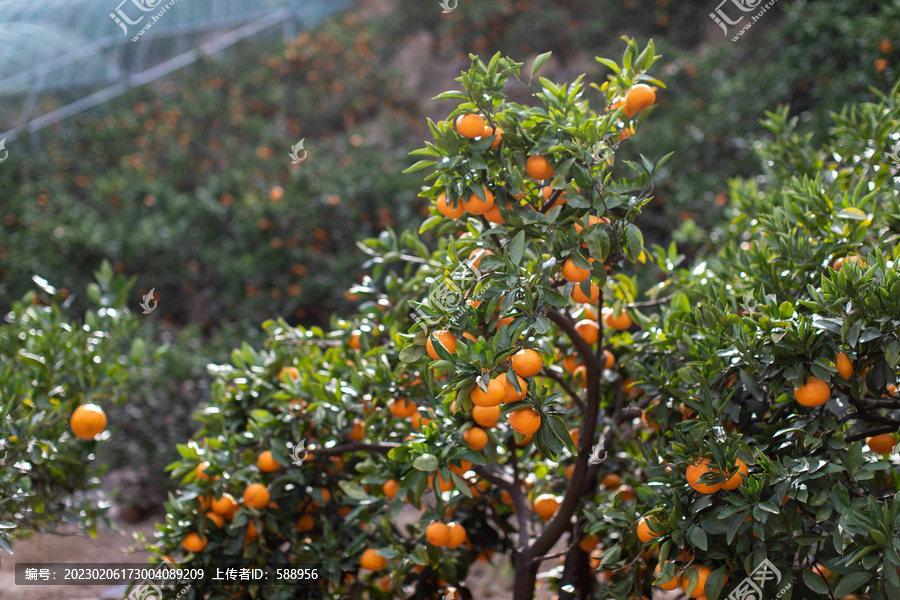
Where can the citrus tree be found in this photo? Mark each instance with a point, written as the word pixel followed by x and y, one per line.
pixel 480 414
pixel 769 385
pixel 58 377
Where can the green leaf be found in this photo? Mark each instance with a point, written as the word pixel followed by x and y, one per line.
pixel 539 62
pixel 854 214
pixel 517 249
pixel 418 166
pixel 558 426
pixel 451 95
pixel 635 242
pixel 426 462
pixel 814 582
pixel 851 582
pixel 698 538
pixel 412 353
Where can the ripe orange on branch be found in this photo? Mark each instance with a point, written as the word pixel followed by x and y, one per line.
pixel 194 543
pixel 697 470
pixel 573 273
pixel 87 421
pixel 588 330
pixel 538 167
pixel 640 97
pixel 470 125
pixel 881 444
pixel 486 416
pixel 844 365
pixel 267 463
pixel 372 561
pixel 527 363
pixel 511 395
pixel 477 206
pixel 494 395
pixel 445 338
pixel 444 207
pixel 403 408
pixel 644 533
pixel 476 438
pixel 525 420
pixel 437 534
pixel 735 481
pixel 814 392
pixel 619 322
pixel 579 296
pixel 672 583
pixel 256 496
pixel 545 506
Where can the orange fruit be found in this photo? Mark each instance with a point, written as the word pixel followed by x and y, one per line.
pixel 476 206
pixel 547 191
pixel 205 502
pixel 446 339
pixel 217 519
pixel 885 46
pixel 486 416
pixel 644 533
pixel 570 362
pixel 358 430
pixel 276 193
pixel 403 408
pixel 621 102
pixel 699 589
pixel 494 395
pixel 881 64
pixel 488 131
pixel 510 393
pixel 590 542
pixel 447 210
pixel 251 533
pixel 698 469
pixel 579 296
pixel 538 167
pixel 575 434
pixel 625 493
pixel 525 420
pixel 504 321
pixel 591 220
pixel 464 465
pixel 476 255
pixel 580 375
pixel 572 272
pixel 470 125
pixel 881 444
pixel 267 463
pixel 306 523
pixel 87 421
pixel 457 535
pixel 844 365
pixel 670 585
pixel 372 561
pixel 256 496
pixel 494 216
pixel 224 505
pixel 611 481
pixel 288 373
pixel 437 534
pixel 200 471
pixel 418 420
pixel 354 341
pixel 608 359
pixel 853 258
pixel 390 488
pixel 194 543
pixel 476 438
pixel 735 481
pixel 527 363
pixel 640 97
pixel 545 506
pixel 588 330
pixel 619 322
pixel 814 393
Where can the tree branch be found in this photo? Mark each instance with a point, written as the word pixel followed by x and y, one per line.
pixel 562 383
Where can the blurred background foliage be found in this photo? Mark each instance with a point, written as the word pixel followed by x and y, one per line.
pixel 186 184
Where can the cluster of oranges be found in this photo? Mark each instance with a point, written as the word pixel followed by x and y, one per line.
pixel 217 511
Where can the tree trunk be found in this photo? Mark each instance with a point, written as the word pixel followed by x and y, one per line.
pixel 526 578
